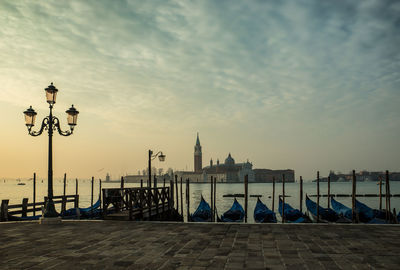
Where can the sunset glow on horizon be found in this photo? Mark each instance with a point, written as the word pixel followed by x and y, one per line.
pixel 308 85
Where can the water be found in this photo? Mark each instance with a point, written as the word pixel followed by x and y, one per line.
pixel 10 190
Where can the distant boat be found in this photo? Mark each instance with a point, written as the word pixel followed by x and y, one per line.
pixel 235 214
pixel 21 184
pixel 262 214
pixel 202 213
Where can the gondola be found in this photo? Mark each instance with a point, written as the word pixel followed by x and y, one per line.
pixel 88 212
pixel 292 215
pixel 262 214
pixel 342 209
pixel 14 218
pixel 325 214
pixel 202 213
pixel 235 214
pixel 369 215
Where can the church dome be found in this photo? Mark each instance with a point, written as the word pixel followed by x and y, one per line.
pixel 229 160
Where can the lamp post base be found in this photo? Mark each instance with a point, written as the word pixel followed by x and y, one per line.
pixel 50 209
pixel 50 220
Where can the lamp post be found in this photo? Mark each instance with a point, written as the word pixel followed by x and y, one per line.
pixel 161 157
pixel 50 123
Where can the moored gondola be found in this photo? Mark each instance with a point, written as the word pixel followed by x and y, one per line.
pixel 262 214
pixel 341 209
pixel 202 213
pixel 325 214
pixel 292 215
pixel 235 214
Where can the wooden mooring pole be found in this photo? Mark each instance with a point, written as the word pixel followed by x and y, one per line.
pixel 65 183
pixel 122 182
pixel 388 214
pixel 100 194
pixel 181 197
pixel 34 194
pixel 177 194
pixel 164 183
pixel 273 194
pixel 215 197
pixel 301 194
pixel 380 193
pixel 317 196
pixel 188 199
pixel 76 204
pixel 329 191
pixel 246 196
pixel 353 198
pixel 283 198
pixel 91 198
pixel 212 198
pixel 141 183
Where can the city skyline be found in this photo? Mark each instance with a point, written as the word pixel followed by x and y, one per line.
pixel 303 85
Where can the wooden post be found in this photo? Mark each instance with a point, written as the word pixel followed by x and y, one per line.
pixel 164 183
pixel 104 203
pixel 24 207
pixel 353 197
pixel 100 193
pixel 301 194
pixel 273 193
pixel 215 197
pixel 130 203
pixel 317 196
pixel 187 200
pixel 177 194
pixel 246 196
pixel 4 210
pixel 122 182
pixel 155 181
pixel 141 183
pixel 91 198
pixel 65 183
pixel 76 194
pixel 212 198
pixel 171 196
pixel 181 197
pixel 387 197
pixel 156 198
pixel 283 198
pixel 34 194
pixel 329 191
pixel 149 200
pixel 380 193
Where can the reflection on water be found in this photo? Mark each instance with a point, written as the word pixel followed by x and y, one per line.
pixel 10 190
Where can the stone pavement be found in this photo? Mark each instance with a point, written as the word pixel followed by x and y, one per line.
pixel 150 245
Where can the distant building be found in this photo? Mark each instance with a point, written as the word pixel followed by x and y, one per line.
pixel 230 171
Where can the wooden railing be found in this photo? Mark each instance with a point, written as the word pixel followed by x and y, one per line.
pixel 24 208
pixel 141 203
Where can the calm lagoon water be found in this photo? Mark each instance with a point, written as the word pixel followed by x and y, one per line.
pixel 10 190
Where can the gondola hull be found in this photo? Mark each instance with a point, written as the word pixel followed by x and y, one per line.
pixel 235 214
pixel 262 214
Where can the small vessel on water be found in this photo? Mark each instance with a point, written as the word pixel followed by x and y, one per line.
pixel 262 214
pixel 21 184
pixel 202 213
pixel 325 214
pixel 234 214
pixel 292 215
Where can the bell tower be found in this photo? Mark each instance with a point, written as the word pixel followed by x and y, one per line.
pixel 198 156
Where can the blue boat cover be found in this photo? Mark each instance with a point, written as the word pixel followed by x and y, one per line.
pixel 235 214
pixel 292 215
pixel 202 213
pixel 326 214
pixel 341 209
pixel 84 212
pixel 262 214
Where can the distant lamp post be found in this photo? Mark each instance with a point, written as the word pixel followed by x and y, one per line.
pixel 161 157
pixel 50 123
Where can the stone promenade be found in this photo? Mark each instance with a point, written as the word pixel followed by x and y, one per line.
pixel 150 245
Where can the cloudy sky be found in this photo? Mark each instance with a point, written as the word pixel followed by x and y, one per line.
pixel 307 85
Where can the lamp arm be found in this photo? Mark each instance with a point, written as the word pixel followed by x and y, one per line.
pixel 56 122
pixel 154 156
pixel 45 124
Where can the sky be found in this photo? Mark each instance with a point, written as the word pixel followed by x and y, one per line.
pixel 305 85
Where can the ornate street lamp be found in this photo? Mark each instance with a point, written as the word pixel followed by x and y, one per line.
pixel 50 123
pixel 161 157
